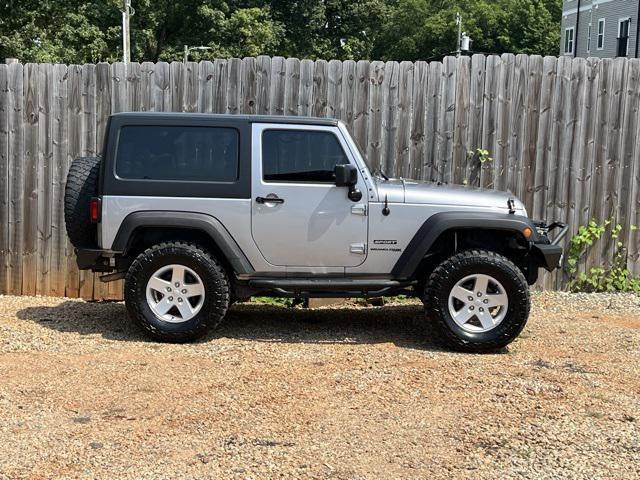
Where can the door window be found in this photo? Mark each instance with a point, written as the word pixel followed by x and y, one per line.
pixel 300 156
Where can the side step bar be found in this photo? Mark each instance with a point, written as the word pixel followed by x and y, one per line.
pixel 112 277
pixel 328 287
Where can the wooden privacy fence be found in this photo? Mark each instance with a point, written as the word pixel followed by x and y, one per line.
pixel 562 134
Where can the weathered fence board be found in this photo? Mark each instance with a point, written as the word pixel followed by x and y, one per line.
pixel 291 87
pixel 628 141
pixel 611 167
pixel 418 102
pixel 446 121
pixel 4 179
pixel 30 185
pixel 74 114
pixel 15 105
pixel 405 91
pixel 45 179
pixel 463 106
pixel 375 119
pixel 490 117
pixel 474 122
pixel 532 123
pixel 264 79
pixel 277 87
pixel 306 88
pixel 562 133
pixel 389 115
pixel 59 142
pixel 634 178
pixel 248 91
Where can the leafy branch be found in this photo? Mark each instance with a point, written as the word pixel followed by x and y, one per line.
pixel 614 278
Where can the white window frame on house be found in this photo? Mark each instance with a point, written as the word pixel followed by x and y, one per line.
pixel 569 43
pixel 603 22
pixel 620 22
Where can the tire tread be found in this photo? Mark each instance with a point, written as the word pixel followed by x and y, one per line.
pixel 82 184
pixel 218 290
pixel 433 302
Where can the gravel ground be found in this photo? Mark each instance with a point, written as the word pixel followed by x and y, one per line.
pixel 340 393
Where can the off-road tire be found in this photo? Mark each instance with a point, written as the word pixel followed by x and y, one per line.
pixel 216 283
pixel 82 184
pixel 455 268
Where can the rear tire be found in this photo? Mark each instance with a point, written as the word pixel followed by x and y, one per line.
pixel 82 185
pixel 477 327
pixel 176 313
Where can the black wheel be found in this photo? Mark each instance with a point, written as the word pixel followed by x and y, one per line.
pixel 477 300
pixel 176 292
pixel 82 184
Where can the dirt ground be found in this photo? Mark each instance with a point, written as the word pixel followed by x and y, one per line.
pixel 342 393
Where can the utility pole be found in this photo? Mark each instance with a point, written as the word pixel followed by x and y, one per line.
pixel 188 49
pixel 126 39
pixel 459 23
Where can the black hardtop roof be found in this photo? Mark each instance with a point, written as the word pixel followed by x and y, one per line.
pixel 332 122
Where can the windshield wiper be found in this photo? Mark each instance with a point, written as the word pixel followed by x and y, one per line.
pixel 381 173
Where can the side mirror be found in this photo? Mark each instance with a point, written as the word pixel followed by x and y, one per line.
pixel 347 176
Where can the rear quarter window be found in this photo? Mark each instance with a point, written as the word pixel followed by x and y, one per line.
pixel 177 153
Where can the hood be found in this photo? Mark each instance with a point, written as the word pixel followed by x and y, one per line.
pixel 410 191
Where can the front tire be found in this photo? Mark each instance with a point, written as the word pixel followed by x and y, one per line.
pixel 176 292
pixel 477 300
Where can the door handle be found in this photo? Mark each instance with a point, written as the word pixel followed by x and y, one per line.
pixel 360 209
pixel 359 248
pixel 263 200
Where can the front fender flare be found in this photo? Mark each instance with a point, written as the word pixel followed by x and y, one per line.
pixel 439 223
pixel 187 220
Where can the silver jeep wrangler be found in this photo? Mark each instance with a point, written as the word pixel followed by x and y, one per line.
pixel 196 211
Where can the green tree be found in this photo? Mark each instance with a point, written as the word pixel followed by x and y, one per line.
pixel 54 31
pixel 531 27
pixel 331 28
pixel 77 31
pixel 420 29
pixel 161 28
pixel 252 32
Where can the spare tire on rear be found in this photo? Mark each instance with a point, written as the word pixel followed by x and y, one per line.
pixel 82 184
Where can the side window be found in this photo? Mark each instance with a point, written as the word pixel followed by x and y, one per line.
pixel 568 40
pixel 601 25
pixel 205 154
pixel 300 156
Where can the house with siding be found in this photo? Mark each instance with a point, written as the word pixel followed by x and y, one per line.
pixel 600 28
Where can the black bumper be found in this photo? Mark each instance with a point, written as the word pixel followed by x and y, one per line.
pixel 548 253
pixel 92 259
pixel 548 256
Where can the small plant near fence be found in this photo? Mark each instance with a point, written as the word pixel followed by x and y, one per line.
pixel 477 159
pixel 613 278
pixel 481 155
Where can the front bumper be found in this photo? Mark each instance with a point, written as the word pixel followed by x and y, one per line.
pixel 548 253
pixel 548 256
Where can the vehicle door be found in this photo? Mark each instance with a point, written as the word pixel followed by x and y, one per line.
pixel 300 217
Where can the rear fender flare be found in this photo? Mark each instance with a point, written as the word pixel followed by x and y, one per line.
pixel 211 226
